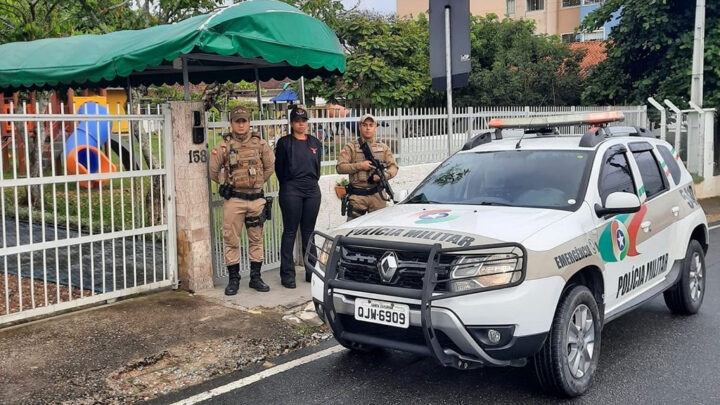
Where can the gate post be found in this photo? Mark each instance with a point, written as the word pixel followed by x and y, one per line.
pixel 194 261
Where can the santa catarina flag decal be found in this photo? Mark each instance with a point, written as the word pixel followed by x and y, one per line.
pixel 434 216
pixel 619 238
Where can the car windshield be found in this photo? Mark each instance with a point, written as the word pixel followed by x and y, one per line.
pixel 517 178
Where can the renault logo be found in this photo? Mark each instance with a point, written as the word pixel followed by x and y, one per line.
pixel 387 266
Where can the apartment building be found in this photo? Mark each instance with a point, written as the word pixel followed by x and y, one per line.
pixel 553 17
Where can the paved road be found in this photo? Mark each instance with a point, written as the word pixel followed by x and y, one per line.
pixel 648 357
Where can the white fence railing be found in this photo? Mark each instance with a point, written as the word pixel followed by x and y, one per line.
pixel 83 218
pixel 416 136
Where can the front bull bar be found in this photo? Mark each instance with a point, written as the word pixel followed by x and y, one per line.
pixel 426 296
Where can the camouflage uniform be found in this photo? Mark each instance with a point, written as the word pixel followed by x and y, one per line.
pixel 348 162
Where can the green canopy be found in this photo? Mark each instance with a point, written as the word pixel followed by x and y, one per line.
pixel 229 44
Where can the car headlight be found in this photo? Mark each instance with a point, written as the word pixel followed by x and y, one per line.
pixel 477 272
pixel 324 253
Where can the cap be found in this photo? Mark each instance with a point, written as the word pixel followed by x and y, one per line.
pixel 298 112
pixel 239 112
pixel 367 117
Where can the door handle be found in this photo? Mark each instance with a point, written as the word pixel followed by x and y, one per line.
pixel 676 210
pixel 645 225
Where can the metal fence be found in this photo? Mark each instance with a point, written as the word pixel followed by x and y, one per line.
pixel 84 218
pixel 416 136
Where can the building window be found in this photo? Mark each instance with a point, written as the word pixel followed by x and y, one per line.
pixel 598 35
pixel 589 2
pixel 510 6
pixel 568 38
pixel 570 3
pixel 535 5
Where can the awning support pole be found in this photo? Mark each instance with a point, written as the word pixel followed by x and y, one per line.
pixel 186 79
pixel 259 96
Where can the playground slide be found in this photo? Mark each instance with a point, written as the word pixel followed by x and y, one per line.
pixel 83 146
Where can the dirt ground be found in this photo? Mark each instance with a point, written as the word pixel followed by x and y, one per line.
pixel 138 349
pixel 37 294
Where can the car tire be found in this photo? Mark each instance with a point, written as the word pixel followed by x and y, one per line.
pixel 567 361
pixel 686 296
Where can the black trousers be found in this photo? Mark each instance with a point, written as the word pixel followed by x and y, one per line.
pixel 297 210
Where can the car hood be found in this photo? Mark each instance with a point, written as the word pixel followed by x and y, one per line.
pixel 485 223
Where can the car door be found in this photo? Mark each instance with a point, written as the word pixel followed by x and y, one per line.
pixel 658 223
pixel 617 235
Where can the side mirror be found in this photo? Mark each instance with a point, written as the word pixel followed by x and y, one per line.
pixel 401 195
pixel 618 203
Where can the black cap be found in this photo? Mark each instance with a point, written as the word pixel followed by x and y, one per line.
pixel 298 112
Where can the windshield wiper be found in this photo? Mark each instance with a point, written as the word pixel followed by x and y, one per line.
pixel 420 199
pixel 496 204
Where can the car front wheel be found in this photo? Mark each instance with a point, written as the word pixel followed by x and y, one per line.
pixel 567 361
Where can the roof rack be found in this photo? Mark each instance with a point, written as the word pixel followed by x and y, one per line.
pixel 598 134
pixel 549 121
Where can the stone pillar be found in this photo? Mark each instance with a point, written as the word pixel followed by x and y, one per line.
pixel 194 259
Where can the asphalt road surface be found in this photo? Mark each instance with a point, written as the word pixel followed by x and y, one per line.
pixel 648 356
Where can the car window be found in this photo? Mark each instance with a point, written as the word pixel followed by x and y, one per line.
pixel 670 162
pixel 650 172
pixel 518 178
pixel 615 174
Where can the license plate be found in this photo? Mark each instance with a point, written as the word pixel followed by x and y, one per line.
pixel 381 312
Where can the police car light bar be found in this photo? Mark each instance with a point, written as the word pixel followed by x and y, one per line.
pixel 593 118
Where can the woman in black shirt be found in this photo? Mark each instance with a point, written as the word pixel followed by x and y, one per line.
pixel 297 164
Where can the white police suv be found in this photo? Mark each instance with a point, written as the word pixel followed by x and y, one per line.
pixel 519 247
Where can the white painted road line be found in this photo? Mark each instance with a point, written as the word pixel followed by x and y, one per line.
pixel 714 227
pixel 260 376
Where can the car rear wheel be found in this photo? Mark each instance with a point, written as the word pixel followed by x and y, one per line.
pixel 686 296
pixel 567 361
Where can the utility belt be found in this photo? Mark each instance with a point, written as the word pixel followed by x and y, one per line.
pixel 226 191
pixel 247 196
pixel 362 191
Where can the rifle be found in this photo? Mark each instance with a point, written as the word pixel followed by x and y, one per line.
pixel 379 170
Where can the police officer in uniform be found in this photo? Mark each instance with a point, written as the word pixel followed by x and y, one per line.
pixel 241 164
pixel 365 194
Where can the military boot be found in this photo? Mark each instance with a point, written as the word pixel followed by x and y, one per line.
pixel 255 281
pixel 234 279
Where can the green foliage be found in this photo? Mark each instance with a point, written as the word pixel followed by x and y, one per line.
pixel 388 64
pixel 27 20
pixel 513 66
pixel 650 52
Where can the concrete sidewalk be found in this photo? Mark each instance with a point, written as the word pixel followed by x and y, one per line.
pixel 144 347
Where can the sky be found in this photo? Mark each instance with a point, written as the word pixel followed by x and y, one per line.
pixel 380 6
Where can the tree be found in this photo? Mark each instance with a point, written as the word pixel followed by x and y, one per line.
pixel 388 65
pixel 513 66
pixel 649 53
pixel 387 62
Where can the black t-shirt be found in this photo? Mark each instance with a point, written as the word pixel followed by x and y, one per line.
pixel 298 165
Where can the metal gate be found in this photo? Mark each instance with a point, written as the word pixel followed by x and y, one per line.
pixel 86 216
